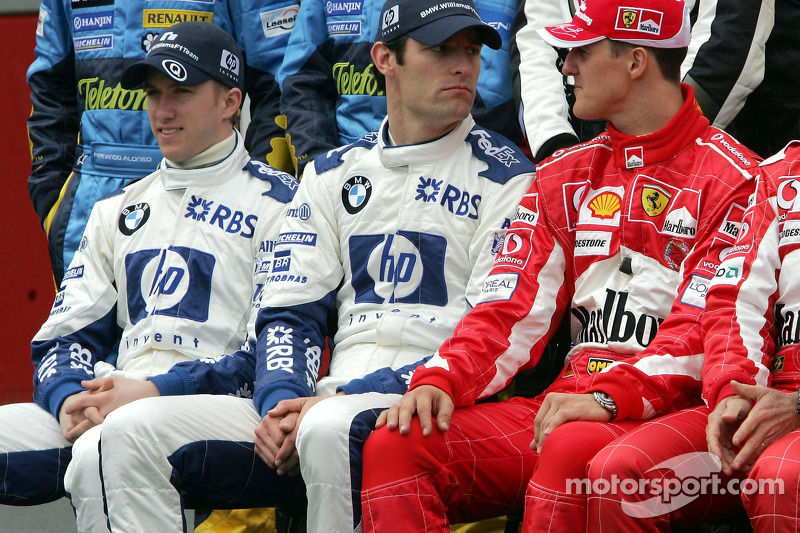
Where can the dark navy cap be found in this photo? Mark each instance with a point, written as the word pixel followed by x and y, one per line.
pixel 190 53
pixel 432 22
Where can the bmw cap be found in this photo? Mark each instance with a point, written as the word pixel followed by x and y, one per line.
pixel 433 22
pixel 190 53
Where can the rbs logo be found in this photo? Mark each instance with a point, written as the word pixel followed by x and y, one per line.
pixel 173 282
pixel 406 267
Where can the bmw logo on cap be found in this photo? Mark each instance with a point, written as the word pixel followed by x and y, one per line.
pixel 356 192
pixel 133 217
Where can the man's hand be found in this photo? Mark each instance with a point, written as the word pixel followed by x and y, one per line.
pixel 72 419
pixel 276 435
pixel 771 417
pixel 723 422
pixel 559 408
pixel 427 402
pixel 109 393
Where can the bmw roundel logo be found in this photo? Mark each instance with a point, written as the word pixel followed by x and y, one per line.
pixel 356 192
pixel 133 217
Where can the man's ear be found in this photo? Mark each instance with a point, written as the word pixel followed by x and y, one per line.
pixel 383 59
pixel 639 59
pixel 233 101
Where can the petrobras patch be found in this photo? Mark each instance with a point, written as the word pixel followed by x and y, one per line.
pixel 279 21
pixel 296 237
pixel 94 42
pixel 498 287
pixel 729 272
pixel 73 273
pixel 592 243
pixel 695 292
pixel 345 27
pixel 100 20
pixel 343 8
pixel 282 261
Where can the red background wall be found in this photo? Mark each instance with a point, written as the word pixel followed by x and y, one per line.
pixel 26 285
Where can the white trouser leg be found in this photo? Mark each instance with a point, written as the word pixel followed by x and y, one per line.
pixel 323 444
pixel 28 427
pixel 33 455
pixel 136 442
pixel 82 482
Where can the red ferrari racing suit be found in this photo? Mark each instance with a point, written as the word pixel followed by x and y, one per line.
pixel 618 232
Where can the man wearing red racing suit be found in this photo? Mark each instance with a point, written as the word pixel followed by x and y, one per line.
pixel 750 383
pixel 616 232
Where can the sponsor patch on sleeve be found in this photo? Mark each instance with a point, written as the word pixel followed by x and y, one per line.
pixel 730 271
pixel 695 293
pixel 498 287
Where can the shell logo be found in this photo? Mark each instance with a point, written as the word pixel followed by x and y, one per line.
pixel 605 205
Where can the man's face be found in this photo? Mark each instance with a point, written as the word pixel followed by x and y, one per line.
pixel 601 80
pixel 436 84
pixel 185 119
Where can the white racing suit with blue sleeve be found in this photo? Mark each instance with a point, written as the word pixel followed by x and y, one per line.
pixel 166 270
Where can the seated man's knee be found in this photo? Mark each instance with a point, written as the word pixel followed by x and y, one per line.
pixel 390 456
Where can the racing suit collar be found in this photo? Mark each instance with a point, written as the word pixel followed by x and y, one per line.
pixel 632 151
pixel 422 153
pixel 207 176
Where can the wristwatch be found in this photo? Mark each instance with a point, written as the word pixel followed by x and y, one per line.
pixel 606 402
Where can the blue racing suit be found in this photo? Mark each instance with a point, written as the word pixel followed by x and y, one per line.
pixel 89 136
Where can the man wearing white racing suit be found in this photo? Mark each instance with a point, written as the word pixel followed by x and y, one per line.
pixel 165 268
pixel 385 246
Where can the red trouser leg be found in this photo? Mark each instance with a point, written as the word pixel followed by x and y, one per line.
pixel 770 494
pixel 479 468
pixel 555 500
pixel 658 475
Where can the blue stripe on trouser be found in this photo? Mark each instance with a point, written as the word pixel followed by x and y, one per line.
pixel 33 477
pixel 361 427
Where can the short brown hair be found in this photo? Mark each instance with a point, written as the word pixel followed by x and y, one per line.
pixel 669 59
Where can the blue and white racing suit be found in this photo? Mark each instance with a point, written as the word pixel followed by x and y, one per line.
pixel 167 268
